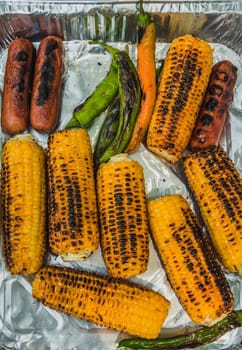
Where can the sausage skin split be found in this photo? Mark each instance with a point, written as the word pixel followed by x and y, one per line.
pixel 46 92
pixel 214 110
pixel 17 86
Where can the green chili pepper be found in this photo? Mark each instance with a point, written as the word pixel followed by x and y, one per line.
pixel 85 113
pixel 200 337
pixel 130 97
pixel 143 17
pixel 108 130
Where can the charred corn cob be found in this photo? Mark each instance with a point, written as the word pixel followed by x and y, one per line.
pixel 182 86
pixel 108 302
pixel 123 216
pixel 217 188
pixel 72 206
pixel 191 266
pixel 23 204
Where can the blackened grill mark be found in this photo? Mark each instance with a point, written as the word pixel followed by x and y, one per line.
pixel 180 99
pixel 140 33
pixel 206 120
pixel 22 56
pixel 163 110
pixel 129 86
pixel 23 69
pixel 216 90
pixel 223 185
pixel 19 87
pixel 212 264
pixel 51 46
pixel 144 96
pixel 46 78
pixel 211 104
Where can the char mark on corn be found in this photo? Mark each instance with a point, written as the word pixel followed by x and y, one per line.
pixel 191 264
pixel 72 206
pixel 183 83
pixel 217 188
pixel 108 302
pixel 123 216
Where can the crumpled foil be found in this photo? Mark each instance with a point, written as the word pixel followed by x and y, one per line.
pixel 25 323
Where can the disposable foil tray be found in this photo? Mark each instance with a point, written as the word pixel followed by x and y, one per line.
pixel 24 322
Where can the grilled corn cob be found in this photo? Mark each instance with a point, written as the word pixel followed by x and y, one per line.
pixel 23 204
pixel 72 207
pixel 123 216
pixel 192 269
pixel 102 300
pixel 182 86
pixel 217 188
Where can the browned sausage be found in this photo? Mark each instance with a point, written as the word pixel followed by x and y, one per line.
pixel 17 85
pixel 214 110
pixel 46 92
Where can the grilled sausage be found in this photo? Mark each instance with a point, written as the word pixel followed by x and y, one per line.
pixel 46 92
pixel 17 85
pixel 214 110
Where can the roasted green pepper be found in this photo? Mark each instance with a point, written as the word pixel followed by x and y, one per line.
pixel 130 98
pixel 85 113
pixel 108 130
pixel 199 337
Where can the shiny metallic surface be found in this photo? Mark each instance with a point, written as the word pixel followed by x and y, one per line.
pixel 24 323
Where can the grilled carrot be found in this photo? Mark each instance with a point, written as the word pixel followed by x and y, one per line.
pixel 147 75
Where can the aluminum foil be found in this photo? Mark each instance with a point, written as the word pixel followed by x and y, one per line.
pixel 25 323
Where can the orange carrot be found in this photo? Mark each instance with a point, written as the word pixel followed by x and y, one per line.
pixel 147 74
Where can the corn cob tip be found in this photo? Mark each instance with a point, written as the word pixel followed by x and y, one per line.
pixel 82 255
pixel 20 137
pixel 119 158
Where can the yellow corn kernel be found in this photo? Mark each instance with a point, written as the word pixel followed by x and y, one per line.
pixel 217 187
pixel 123 216
pixel 23 204
pixel 72 206
pixel 183 83
pixel 191 265
pixel 105 301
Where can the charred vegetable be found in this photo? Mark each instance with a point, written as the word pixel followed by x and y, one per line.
pixel 217 188
pixel 108 130
pixel 200 337
pixel 23 204
pixel 130 97
pixel 190 263
pixel 183 83
pixel 123 216
pixel 85 113
pixel 72 207
pixel 103 300
pixel 147 75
